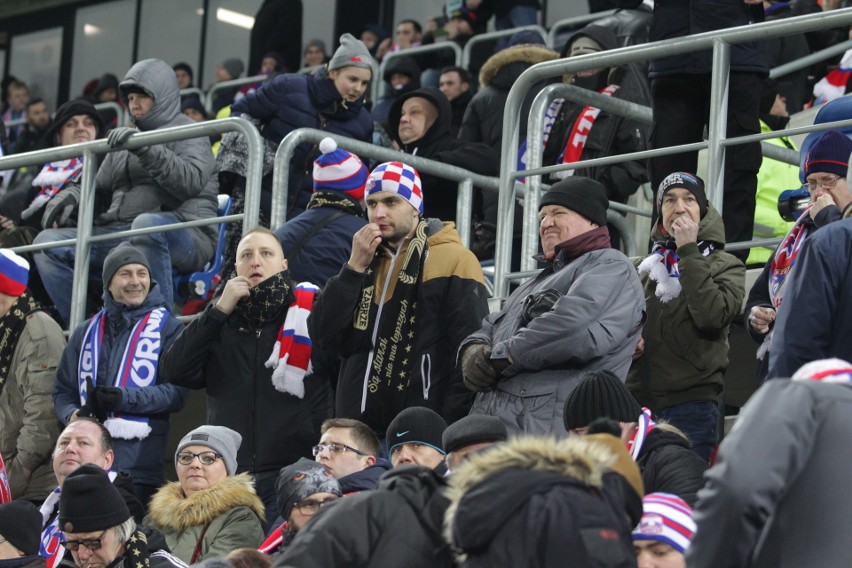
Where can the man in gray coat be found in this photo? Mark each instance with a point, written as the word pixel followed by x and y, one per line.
pixel 145 187
pixel 582 313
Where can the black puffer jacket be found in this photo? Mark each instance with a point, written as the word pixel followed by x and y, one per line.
pixel 669 466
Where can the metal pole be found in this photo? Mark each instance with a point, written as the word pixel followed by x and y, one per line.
pixel 717 126
pixel 82 250
pixel 464 211
pixel 378 82
pixel 809 60
pixel 208 103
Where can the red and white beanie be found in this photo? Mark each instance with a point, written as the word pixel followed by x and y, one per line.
pixel 339 170
pixel 399 178
pixel 666 518
pixel 826 370
pixel 14 273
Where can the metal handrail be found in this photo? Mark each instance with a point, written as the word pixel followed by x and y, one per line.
pixel 491 36
pixel 809 60
pixel 202 96
pixel 89 150
pixel 718 40
pixel 573 22
pixel 378 82
pixel 208 102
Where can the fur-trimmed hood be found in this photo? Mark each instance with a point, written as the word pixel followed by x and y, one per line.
pixel 506 65
pixel 172 511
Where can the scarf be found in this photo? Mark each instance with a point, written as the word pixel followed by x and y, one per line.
pixel 662 267
pixel 137 369
pixel 5 491
pixel 278 540
pixel 640 434
pixel 832 370
pixel 52 178
pixel 265 303
pixel 291 356
pixel 11 326
pixel 336 199
pixel 833 85
pixel 390 361
pixel 576 141
pixel 136 551
pixel 550 117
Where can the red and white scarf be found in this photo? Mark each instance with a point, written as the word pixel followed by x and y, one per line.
pixel 5 491
pixel 52 178
pixel 833 85
pixel 576 141
pixel 640 434
pixel 832 370
pixel 291 356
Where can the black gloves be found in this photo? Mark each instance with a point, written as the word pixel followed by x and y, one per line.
pixel 60 209
pixel 100 401
pixel 479 371
pixel 118 137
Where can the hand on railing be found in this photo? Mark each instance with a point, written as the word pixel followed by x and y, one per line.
pixel 59 211
pixel 118 137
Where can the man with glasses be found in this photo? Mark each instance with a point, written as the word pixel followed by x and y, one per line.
pixel 350 450
pixel 97 527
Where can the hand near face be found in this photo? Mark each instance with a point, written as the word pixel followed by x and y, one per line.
pixel 821 203
pixel 235 290
pixel 364 245
pixel 685 230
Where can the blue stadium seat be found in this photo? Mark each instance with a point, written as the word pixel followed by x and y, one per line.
pixel 197 284
pixel 838 109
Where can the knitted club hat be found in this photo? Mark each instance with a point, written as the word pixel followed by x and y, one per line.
pixel 600 394
pixel 581 195
pixel 14 273
pixel 396 177
pixel 300 480
pixel 89 502
pixel 339 170
pixel 473 429
pixel 690 182
pixel 416 424
pixel 234 67
pixel 831 370
pixel 70 109
pixel 220 439
pixel 352 53
pixel 123 254
pixel 666 518
pixel 20 524
pixel 830 153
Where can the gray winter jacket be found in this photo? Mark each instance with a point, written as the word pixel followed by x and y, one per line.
pixel 780 493
pixel 180 177
pixel 594 325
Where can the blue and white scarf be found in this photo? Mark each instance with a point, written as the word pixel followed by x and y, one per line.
pixel 138 368
pixel 662 267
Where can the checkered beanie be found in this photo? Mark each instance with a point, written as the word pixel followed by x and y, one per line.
pixel 14 273
pixel 666 518
pixel 339 170
pixel 396 177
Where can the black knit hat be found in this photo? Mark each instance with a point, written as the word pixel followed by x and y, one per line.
pixel 20 524
pixel 581 195
pixel 300 480
pixel 123 254
pixel 473 429
pixel 70 109
pixel 830 153
pixel 690 182
pixel 600 394
pixel 89 502
pixel 417 424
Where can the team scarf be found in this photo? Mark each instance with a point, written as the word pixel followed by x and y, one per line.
pixel 12 325
pixel 52 178
pixel 5 490
pixel 832 370
pixel 550 116
pixel 662 267
pixel 138 367
pixel 291 357
pixel 833 85
pixel 640 434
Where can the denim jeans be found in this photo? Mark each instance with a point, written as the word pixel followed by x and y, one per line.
pixel 699 420
pixel 516 17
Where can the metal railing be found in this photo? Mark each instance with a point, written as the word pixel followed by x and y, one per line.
pixel 573 22
pixel 208 101
pixel 718 41
pixel 809 60
pixel 89 151
pixel 377 84
pixel 491 37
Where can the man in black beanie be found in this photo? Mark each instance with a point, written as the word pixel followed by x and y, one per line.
pixel 20 528
pixel 583 313
pixel 414 437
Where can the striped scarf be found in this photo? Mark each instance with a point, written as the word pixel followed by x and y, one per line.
pixel 52 179
pixel 832 370
pixel 640 434
pixel 291 356
pixel 662 267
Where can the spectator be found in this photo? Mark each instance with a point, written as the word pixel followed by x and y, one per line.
pixel 277 27
pixel 582 313
pixel 228 70
pixel 30 347
pixel 315 53
pixel 470 435
pixel 460 24
pixel 420 122
pixel 17 97
pixel 147 186
pixel 454 82
pixel 631 27
pixel 34 136
pixel 376 307
pixel 350 450
pixel 271 65
pixel 106 91
pixel 372 36
pixel 183 73
pixel 192 107
pixel 693 290
pixel 408 33
pixel 415 437
pixel 20 524
pixel 660 450
pixel 210 510
pixel 778 494
pixel 401 75
pixel 270 400
pixel 508 14
pixel 664 533
pixel 110 369
pixel 97 527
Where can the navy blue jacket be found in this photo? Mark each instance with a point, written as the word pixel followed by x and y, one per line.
pixel 143 459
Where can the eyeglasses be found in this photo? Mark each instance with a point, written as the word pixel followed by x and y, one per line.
pixel 335 449
pixel 206 458
pixel 91 543
pixel 826 182
pixel 310 507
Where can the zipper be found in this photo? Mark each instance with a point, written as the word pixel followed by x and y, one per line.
pixel 426 374
pixel 376 330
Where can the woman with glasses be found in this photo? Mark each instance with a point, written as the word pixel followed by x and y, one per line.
pixel 209 511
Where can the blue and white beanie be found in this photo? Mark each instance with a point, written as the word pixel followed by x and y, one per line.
pixel 339 170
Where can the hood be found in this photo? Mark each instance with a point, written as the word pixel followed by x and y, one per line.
pixel 663 436
pixel 366 479
pixel 441 128
pixel 172 511
pixel 506 65
pixel 119 312
pixel 423 489
pixel 603 36
pixel 710 228
pixel 157 79
pixel 478 495
pixel 107 81
pixel 404 65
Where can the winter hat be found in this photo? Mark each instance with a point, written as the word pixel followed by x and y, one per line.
pixel 399 178
pixel 339 170
pixel 832 370
pixel 830 153
pixel 193 103
pixel 220 439
pixel 14 273
pixel 688 181
pixel 416 424
pixel 316 43
pixel 600 394
pixel 525 37
pixel 73 108
pixel 352 53
pixel 473 429
pixel 300 480
pixel 89 501
pixel 123 254
pixel 20 524
pixel 234 67
pixel 181 66
pixel 582 195
pixel 583 44
pixel 666 518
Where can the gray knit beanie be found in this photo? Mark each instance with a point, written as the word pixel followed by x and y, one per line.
pixel 352 53
pixel 220 439
pixel 234 67
pixel 123 254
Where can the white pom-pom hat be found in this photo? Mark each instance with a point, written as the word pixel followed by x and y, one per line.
pixel 339 170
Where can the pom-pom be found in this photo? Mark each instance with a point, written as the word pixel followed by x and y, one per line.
pixel 327 145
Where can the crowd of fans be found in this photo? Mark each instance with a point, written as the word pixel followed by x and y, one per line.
pixel 364 408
